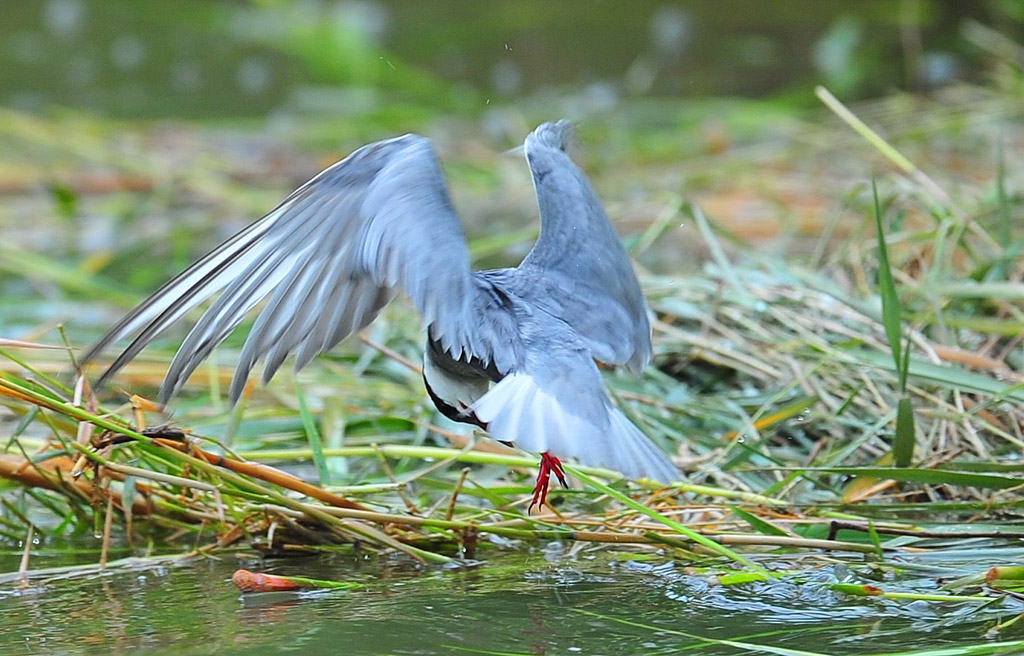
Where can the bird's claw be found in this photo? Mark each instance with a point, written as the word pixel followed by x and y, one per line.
pixel 548 464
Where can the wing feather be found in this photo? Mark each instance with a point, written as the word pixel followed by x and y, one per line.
pixel 578 270
pixel 325 261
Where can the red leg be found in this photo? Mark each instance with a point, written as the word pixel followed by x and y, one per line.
pixel 548 464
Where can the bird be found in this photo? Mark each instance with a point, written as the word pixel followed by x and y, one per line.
pixel 514 351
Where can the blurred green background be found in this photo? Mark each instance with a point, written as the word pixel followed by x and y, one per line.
pixel 194 59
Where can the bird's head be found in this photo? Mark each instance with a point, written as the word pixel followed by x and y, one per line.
pixel 557 134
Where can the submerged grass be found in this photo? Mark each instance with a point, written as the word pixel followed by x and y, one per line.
pixel 786 390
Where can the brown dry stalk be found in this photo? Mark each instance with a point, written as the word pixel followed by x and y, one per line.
pixel 975 360
pixel 264 473
pixel 54 474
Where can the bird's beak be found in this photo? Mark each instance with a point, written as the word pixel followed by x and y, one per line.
pixel 516 151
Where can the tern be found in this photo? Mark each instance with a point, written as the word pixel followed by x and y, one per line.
pixel 513 351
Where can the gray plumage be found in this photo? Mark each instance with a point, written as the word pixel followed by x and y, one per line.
pixel 512 350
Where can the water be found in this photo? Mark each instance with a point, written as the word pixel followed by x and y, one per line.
pixel 539 602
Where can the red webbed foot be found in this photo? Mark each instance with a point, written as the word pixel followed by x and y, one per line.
pixel 548 464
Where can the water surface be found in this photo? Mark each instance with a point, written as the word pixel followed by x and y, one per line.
pixel 539 602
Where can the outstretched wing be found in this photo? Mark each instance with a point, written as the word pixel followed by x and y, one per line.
pixel 326 260
pixel 555 400
pixel 578 270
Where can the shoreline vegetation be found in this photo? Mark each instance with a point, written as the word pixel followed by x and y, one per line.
pixel 787 387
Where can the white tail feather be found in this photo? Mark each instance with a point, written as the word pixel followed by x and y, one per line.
pixel 517 410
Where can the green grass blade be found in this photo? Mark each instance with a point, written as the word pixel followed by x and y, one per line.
pixel 667 521
pixel 759 525
pixel 884 147
pixel 876 542
pixel 947 377
pixel 1002 267
pixel 928 476
pixel 903 442
pixel 887 290
pixel 313 437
